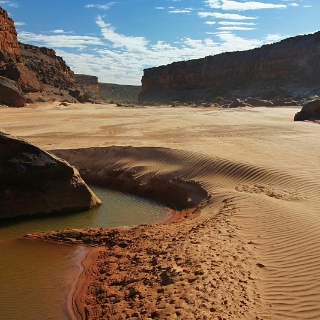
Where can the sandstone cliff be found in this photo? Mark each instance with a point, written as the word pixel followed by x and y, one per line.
pixel 9 47
pixel 31 67
pixel 289 67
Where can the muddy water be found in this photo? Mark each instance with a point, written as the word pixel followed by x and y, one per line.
pixel 35 276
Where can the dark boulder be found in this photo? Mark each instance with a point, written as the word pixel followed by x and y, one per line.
pixel 33 181
pixel 11 93
pixel 310 111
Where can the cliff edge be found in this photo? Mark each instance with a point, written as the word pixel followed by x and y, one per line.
pixel 290 67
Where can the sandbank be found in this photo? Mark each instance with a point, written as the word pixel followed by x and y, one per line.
pixel 249 179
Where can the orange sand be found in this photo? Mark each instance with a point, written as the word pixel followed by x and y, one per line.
pixel 252 252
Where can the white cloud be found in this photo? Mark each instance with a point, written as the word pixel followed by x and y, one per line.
pixel 160 8
pixel 230 16
pixel 274 37
pixel 137 44
pixel 19 23
pixel 241 6
pixel 231 28
pixel 180 11
pixel 216 4
pixel 59 40
pixel 9 3
pixel 100 6
pixel 210 22
pixel 60 31
pixel 293 4
pixel 236 23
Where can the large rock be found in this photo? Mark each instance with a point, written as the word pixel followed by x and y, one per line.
pixel 289 67
pixel 27 80
pixel 33 181
pixel 310 111
pixel 11 93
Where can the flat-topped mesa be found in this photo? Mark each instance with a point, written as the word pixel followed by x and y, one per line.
pixel 291 66
pixel 9 46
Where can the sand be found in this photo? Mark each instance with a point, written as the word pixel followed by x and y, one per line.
pixel 249 244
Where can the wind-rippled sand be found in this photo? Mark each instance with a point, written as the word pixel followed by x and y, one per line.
pixel 252 252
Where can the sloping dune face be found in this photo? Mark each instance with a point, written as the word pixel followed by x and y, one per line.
pixel 275 213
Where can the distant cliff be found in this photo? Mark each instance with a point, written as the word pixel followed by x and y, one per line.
pixel 289 67
pixel 119 93
pixel 89 86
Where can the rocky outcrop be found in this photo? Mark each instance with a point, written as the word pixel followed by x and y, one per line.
pixel 9 46
pixel 34 181
pixel 119 93
pixel 32 69
pixel 49 68
pixel 87 88
pixel 310 111
pixel 27 79
pixel 290 67
pixel 10 93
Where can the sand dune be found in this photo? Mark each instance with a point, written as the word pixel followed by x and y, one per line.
pixel 253 249
pixel 277 214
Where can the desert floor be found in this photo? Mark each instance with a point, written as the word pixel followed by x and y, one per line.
pixel 253 249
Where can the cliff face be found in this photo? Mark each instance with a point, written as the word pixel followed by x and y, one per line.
pixel 89 86
pixel 29 66
pixel 272 71
pixel 9 47
pixel 119 93
pixel 49 68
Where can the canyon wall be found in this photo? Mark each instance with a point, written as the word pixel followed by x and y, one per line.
pixel 290 67
pixel 32 69
pixel 119 93
pixel 9 46
pixel 49 68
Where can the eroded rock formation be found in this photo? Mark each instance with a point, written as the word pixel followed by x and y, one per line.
pixel 10 93
pixel 310 111
pixel 49 68
pixel 290 67
pixel 33 181
pixel 9 46
pixel 87 87
pixel 30 67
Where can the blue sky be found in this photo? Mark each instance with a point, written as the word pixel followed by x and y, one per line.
pixel 116 40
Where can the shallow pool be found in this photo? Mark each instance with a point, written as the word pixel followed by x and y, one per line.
pixel 35 276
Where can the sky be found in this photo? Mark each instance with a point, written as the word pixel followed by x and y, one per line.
pixel 117 40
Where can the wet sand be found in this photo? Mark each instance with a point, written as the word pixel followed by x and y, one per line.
pixel 249 247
